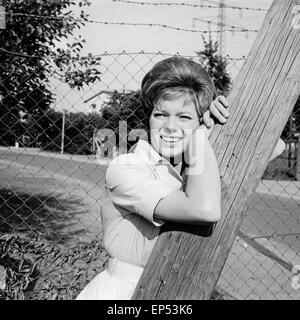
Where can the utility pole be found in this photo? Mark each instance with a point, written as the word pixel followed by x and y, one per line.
pixel 2 16
pixel 221 24
pixel 63 132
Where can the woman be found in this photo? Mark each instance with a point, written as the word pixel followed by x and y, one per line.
pixel 171 177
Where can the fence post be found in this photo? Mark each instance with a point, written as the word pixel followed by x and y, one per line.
pixel 298 160
pixel 63 132
pixel 184 264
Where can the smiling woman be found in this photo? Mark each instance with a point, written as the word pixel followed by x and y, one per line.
pixel 172 123
pixel 146 187
pixel 176 93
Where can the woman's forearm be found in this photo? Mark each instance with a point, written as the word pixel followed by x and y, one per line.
pixel 203 179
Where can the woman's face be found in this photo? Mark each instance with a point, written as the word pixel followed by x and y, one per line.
pixel 172 124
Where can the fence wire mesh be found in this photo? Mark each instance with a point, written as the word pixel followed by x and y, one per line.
pixel 53 162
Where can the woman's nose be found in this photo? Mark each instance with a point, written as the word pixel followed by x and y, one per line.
pixel 170 125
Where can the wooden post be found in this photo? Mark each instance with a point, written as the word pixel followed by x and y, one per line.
pixel 2 16
pixel 298 159
pixel 184 264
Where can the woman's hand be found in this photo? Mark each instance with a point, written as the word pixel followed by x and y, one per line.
pixel 217 112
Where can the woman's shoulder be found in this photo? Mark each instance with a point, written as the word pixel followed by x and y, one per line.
pixel 126 163
pixel 124 167
pixel 126 159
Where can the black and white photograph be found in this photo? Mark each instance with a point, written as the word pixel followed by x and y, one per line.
pixel 149 150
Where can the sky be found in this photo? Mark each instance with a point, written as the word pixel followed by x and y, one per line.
pixel 135 38
pixel 118 71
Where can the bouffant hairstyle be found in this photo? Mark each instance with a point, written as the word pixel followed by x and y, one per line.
pixel 174 77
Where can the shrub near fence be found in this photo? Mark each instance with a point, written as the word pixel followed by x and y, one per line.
pixel 51 239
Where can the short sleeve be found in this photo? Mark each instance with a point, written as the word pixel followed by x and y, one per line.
pixel 133 187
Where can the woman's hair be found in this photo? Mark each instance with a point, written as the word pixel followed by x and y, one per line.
pixel 175 77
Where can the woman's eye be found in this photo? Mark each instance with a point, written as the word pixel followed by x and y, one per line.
pixel 159 115
pixel 185 117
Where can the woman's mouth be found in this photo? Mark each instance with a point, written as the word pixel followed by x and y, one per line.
pixel 170 140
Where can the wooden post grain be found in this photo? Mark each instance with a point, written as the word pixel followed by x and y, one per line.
pixel 298 160
pixel 184 264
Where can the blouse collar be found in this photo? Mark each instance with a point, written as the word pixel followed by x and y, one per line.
pixel 147 153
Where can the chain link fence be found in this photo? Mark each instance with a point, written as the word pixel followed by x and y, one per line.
pixel 53 166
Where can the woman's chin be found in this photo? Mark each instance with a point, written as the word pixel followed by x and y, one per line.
pixel 169 154
pixel 169 151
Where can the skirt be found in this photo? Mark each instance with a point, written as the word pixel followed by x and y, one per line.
pixel 116 282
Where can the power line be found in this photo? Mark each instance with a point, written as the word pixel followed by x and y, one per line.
pixel 188 5
pixel 121 23
pixel 226 24
pixel 153 33
pixel 167 4
pixel 246 8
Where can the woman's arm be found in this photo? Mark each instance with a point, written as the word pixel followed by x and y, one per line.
pixel 203 177
pixel 202 197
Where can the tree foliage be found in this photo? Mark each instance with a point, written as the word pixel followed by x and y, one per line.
pixel 215 65
pixel 78 131
pixel 124 106
pixel 30 54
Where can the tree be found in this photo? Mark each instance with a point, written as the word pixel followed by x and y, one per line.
pixel 215 65
pixel 48 137
pixel 124 106
pixel 79 130
pixel 29 56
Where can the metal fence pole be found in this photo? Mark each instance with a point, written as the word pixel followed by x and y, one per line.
pixel 63 132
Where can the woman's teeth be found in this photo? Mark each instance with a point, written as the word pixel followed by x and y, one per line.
pixel 170 139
